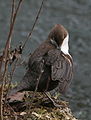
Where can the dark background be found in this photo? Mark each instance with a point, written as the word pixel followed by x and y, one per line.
pixel 75 15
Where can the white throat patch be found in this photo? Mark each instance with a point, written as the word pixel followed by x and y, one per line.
pixel 65 47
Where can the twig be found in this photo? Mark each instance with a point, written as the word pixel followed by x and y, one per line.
pixel 41 72
pixel 29 37
pixel 15 114
pixel 12 12
pixel 11 27
pixel 2 91
pixel 38 79
pixel 11 76
pixel 7 47
pixel 36 19
pixel 13 18
pixel 6 53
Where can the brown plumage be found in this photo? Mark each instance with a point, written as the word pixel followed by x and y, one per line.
pixel 48 64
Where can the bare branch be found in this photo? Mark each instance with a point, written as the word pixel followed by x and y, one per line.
pixel 12 12
pixel 6 53
pixel 36 19
pixel 13 18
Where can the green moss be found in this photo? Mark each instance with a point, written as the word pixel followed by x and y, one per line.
pixel 34 110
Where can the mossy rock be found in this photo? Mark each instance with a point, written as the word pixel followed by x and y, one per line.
pixel 35 106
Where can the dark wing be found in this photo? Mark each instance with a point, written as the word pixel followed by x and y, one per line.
pixel 37 65
pixel 61 69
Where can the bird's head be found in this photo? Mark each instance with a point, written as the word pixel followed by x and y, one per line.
pixel 59 37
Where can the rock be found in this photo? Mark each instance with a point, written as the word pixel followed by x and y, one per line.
pixel 32 109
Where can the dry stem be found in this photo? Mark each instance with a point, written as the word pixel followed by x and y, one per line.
pixel 36 19
pixel 6 53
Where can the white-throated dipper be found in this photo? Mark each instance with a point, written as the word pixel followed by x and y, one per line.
pixel 49 66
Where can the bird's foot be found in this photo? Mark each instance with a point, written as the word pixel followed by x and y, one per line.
pixel 60 104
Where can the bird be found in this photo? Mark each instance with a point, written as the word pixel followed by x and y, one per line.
pixel 49 66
